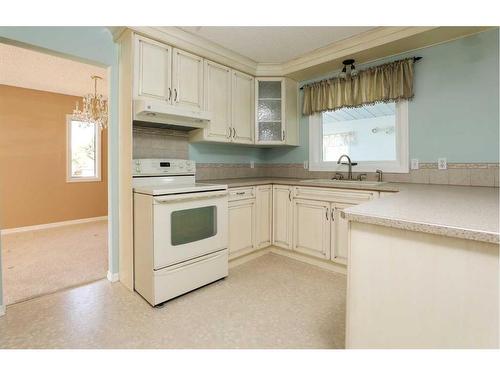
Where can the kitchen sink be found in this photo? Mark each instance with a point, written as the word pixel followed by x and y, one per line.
pixel 343 182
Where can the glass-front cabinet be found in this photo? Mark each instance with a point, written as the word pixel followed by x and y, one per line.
pixel 276 111
pixel 270 111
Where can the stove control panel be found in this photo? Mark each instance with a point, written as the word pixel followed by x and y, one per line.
pixel 163 167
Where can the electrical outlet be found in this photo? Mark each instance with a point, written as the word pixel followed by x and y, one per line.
pixel 252 164
pixel 442 164
pixel 414 163
pixel 306 164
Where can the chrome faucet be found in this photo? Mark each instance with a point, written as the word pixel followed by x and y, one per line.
pixel 349 163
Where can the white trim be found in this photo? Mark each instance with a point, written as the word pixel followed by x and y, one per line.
pixel 98 152
pixel 372 40
pixel 322 263
pixel 2 310
pixel 52 225
pixel 113 277
pixel 248 256
pixel 400 165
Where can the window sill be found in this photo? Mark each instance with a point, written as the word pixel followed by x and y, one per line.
pixel 89 179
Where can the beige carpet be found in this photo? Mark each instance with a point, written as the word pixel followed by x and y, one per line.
pixel 269 302
pixel 43 261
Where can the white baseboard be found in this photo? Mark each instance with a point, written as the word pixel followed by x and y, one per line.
pixel 2 310
pixel 53 225
pixel 113 277
pixel 325 264
pixel 247 257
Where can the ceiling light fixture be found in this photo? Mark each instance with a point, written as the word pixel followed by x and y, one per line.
pixel 349 63
pixel 95 108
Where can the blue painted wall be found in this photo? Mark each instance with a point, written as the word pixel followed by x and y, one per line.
pixel 455 112
pixel 94 45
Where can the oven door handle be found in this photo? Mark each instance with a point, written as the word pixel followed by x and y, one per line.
pixel 190 196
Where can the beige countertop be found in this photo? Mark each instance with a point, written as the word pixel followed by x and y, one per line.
pixel 454 211
pixel 254 181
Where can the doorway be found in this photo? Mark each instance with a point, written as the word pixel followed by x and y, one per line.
pixel 54 176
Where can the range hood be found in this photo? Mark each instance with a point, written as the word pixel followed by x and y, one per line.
pixel 166 115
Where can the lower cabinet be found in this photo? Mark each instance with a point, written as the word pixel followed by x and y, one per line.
pixel 303 219
pixel 282 216
pixel 340 233
pixel 241 226
pixel 264 214
pixel 311 229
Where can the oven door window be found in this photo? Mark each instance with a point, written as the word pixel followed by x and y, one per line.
pixel 193 225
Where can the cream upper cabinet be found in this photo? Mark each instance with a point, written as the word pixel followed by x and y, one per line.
pixel 153 72
pixel 242 116
pixel 264 214
pixel 311 227
pixel 276 107
pixel 168 74
pixel 340 233
pixel 218 102
pixel 187 80
pixel 282 216
pixel 241 226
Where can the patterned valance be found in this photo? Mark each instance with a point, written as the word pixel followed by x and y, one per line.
pixel 384 83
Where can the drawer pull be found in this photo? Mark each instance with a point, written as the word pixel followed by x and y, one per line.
pixel 240 193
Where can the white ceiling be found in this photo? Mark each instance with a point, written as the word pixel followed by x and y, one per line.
pixel 30 69
pixel 274 44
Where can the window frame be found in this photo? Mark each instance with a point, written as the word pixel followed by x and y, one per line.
pixel 69 177
pixel 400 165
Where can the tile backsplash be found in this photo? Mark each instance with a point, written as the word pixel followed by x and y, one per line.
pixel 168 143
pixel 159 143
pixel 465 174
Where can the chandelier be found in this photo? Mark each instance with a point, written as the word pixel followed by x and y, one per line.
pixel 95 108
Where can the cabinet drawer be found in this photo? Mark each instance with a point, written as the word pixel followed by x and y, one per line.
pixel 236 194
pixel 334 195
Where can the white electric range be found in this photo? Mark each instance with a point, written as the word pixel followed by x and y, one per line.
pixel 180 229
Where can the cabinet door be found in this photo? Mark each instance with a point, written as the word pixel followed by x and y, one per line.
pixel 241 226
pixel 264 203
pixel 282 216
pixel 218 101
pixel 153 73
pixel 187 80
pixel 340 233
pixel 242 107
pixel 270 111
pixel 311 230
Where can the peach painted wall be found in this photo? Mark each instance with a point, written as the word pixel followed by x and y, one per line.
pixel 33 187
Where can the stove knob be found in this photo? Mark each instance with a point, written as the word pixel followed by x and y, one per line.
pixel 138 169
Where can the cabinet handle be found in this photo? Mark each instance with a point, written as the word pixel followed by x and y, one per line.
pixel 169 94
pixel 290 195
pixel 326 213
pixel 333 217
pixel 228 133
pixel 283 135
pixel 234 132
pixel 240 193
pixel 175 93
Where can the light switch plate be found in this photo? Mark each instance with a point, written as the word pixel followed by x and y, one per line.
pixel 414 163
pixel 442 164
pixel 252 164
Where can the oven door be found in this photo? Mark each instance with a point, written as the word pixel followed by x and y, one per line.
pixel 189 225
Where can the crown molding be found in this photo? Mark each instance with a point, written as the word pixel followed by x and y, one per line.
pixel 199 46
pixel 349 46
pixel 370 45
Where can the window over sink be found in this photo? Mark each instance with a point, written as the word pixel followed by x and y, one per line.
pixel 374 136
